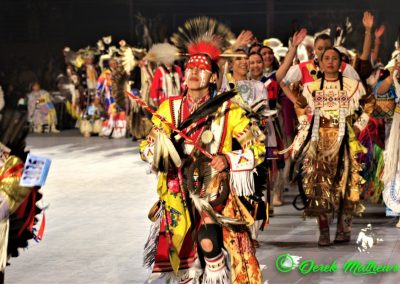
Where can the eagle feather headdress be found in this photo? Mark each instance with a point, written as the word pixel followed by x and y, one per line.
pixel 203 35
pixel 202 29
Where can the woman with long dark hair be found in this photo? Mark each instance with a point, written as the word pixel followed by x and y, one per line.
pixel 257 63
pixel 325 148
pixel 271 64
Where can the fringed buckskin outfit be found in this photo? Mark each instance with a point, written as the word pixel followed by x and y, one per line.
pixel 326 147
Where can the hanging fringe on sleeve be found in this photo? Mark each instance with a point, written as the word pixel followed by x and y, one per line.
pixel 243 182
pixel 241 172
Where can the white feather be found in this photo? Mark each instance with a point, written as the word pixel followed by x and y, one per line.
pixel 163 53
pixel 202 204
pixel 128 59
pixel 165 148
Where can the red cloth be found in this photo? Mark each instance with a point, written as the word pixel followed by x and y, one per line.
pixel 187 254
pixel 272 90
pixel 188 107
pixel 156 92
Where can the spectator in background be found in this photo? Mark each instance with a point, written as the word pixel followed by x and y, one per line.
pixel 41 111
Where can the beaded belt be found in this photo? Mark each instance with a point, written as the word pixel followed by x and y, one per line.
pixel 329 123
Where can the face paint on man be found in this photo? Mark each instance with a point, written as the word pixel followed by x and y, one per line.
pixel 200 61
pixel 203 75
pixel 198 72
pixel 187 75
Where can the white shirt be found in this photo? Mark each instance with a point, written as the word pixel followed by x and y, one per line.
pixel 294 74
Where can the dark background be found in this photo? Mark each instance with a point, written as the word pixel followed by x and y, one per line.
pixel 33 32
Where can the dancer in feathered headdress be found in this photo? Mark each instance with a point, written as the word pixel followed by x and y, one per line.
pixel 114 85
pixel 18 210
pixel 140 77
pixel 198 212
pixel 91 118
pixel 168 77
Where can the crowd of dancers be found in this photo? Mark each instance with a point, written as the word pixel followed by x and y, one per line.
pixel 228 122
